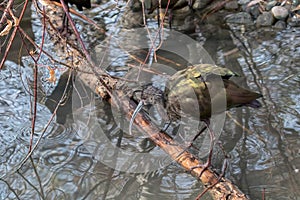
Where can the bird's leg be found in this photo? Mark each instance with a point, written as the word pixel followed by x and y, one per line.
pixel 212 140
pixel 224 167
pixel 195 137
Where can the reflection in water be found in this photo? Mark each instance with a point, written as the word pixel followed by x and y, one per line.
pixel 264 153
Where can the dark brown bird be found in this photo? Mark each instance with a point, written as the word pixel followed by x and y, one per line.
pixel 202 90
pixel 198 92
pixel 193 92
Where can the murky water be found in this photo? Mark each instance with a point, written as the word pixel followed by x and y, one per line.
pixel 73 160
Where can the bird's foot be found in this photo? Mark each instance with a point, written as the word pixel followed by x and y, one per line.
pixel 203 167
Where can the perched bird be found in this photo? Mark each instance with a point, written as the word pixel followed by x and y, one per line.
pixel 202 90
pixel 203 86
pixel 198 92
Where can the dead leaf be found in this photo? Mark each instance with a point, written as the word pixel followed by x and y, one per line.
pixel 52 77
pixel 6 30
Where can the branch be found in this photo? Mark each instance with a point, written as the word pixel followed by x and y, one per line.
pixel 13 35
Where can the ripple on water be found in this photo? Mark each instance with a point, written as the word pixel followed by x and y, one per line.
pixel 14 109
pixel 173 184
pixel 56 157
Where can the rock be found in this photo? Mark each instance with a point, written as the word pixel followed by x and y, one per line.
pixel 239 18
pixel 254 11
pixel 280 24
pixel 280 12
pixel 199 4
pixel 265 19
pixel 294 22
pixel 288 7
pixel 295 2
pixel 244 2
pixel 131 19
pixel 135 5
pixel 231 5
pixel 187 25
pixel 270 5
pixel 182 13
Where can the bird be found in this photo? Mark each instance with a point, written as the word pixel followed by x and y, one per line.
pixel 204 86
pixel 193 91
pixel 201 90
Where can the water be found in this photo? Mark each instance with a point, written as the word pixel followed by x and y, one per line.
pixel 263 144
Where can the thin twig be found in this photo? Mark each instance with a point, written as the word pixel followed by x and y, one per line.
pixel 6 11
pixel 13 35
pixel 86 53
pixel 35 82
pixel 11 189
pixel 48 123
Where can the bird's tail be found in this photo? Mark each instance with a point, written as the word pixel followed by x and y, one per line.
pixel 238 96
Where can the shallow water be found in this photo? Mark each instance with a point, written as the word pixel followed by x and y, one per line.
pixel 74 159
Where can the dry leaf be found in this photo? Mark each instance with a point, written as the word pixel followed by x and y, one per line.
pixel 52 77
pixel 6 30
